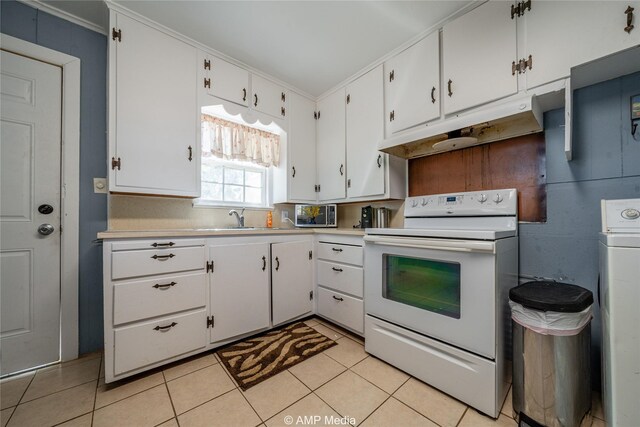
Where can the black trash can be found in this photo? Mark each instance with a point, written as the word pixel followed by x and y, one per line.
pixel 551 353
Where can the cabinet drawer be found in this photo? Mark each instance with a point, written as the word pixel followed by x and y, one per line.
pixel 343 278
pixel 341 308
pixel 150 342
pixel 145 263
pixel 164 243
pixel 340 253
pixel 157 297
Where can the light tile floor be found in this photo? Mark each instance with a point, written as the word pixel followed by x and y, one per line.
pixel 343 382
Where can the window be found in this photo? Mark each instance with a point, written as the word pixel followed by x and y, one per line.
pixel 233 183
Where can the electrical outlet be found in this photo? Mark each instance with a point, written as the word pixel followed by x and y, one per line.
pixel 99 185
pixel 284 215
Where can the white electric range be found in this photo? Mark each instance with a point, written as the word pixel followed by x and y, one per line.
pixel 436 292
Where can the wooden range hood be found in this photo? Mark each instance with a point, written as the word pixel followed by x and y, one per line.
pixel 496 122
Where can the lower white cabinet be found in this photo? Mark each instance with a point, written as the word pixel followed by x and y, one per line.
pixel 291 280
pixel 340 280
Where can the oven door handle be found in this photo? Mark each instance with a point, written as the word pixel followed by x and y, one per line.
pixel 440 245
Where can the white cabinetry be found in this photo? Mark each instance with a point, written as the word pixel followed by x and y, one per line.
pixel 152 111
pixel 268 97
pixel 225 80
pixel 291 280
pixel 478 49
pixel 330 148
pixel 239 300
pixel 365 128
pixel 154 307
pixel 412 86
pixel 340 280
pixel 563 34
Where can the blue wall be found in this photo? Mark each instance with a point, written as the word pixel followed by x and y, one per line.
pixel 21 21
pixel 605 165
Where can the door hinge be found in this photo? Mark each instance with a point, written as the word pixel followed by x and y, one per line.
pixel 310 254
pixel 209 267
pixel 210 321
pixel 283 111
pixel 207 64
pixel 522 65
pixel 116 34
pixel 311 296
pixel 207 83
pixel 115 163
pixel 519 8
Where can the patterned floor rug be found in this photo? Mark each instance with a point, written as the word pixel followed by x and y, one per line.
pixel 259 358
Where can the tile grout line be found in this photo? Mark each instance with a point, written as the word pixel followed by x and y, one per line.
pixel 237 387
pixel 95 396
pixel 462 417
pixel 166 387
pixel 21 397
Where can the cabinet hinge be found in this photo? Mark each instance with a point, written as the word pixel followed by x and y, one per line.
pixel 311 296
pixel 115 163
pixel 283 97
pixel 116 34
pixel 317 187
pixel 283 111
pixel 310 254
pixel 519 8
pixel 210 321
pixel 316 115
pixel 207 64
pixel 392 76
pixel 209 267
pixel 522 65
pixel 207 83
pixel 348 99
pixel 392 115
pixel 349 183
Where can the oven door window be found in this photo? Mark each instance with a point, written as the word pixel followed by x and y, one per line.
pixel 426 284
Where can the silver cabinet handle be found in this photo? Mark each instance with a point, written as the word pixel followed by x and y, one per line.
pixel 45 229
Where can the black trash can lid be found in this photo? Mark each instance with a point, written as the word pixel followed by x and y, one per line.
pixel 552 296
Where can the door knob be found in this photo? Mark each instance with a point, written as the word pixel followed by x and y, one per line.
pixel 45 229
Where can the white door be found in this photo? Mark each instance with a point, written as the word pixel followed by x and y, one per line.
pixel 365 129
pixel 477 51
pixel 302 149
pixel 228 81
pixel 30 179
pixel 291 280
pixel 239 289
pixel 563 34
pixel 268 97
pixel 331 146
pixel 412 85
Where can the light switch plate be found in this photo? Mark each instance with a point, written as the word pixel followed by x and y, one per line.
pixel 99 185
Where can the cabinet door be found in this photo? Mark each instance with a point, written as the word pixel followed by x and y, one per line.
pixel 331 146
pixel 477 50
pixel 267 97
pixel 365 164
pixel 239 297
pixel 412 85
pixel 155 116
pixel 563 34
pixel 292 280
pixel 228 81
pixel 302 149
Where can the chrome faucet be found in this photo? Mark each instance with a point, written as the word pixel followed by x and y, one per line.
pixel 239 216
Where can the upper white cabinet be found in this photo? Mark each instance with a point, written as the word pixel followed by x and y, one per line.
pixel 477 52
pixel 225 80
pixel 268 97
pixel 563 34
pixel 292 280
pixel 365 164
pixel 412 85
pixel 301 149
pixel 152 112
pixel 331 146
pixel 239 298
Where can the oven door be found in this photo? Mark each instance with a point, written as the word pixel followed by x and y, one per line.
pixel 442 288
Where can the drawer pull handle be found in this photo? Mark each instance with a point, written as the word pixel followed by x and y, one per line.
pixel 165 328
pixel 339 270
pixel 157 245
pixel 162 257
pixel 264 263
pixel 336 249
pixel 165 286
pixel 337 299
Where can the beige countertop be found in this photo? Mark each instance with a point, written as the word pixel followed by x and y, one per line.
pixel 212 232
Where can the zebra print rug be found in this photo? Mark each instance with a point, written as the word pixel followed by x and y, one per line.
pixel 259 358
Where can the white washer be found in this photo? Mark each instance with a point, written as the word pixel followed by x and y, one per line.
pixel 619 296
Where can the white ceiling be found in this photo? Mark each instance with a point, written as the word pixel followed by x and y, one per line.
pixel 312 45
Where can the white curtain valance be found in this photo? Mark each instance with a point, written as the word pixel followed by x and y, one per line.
pixel 228 140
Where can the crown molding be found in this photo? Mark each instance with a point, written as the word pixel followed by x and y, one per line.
pixel 52 10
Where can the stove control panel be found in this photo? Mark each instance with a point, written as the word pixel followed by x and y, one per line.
pixel 494 202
